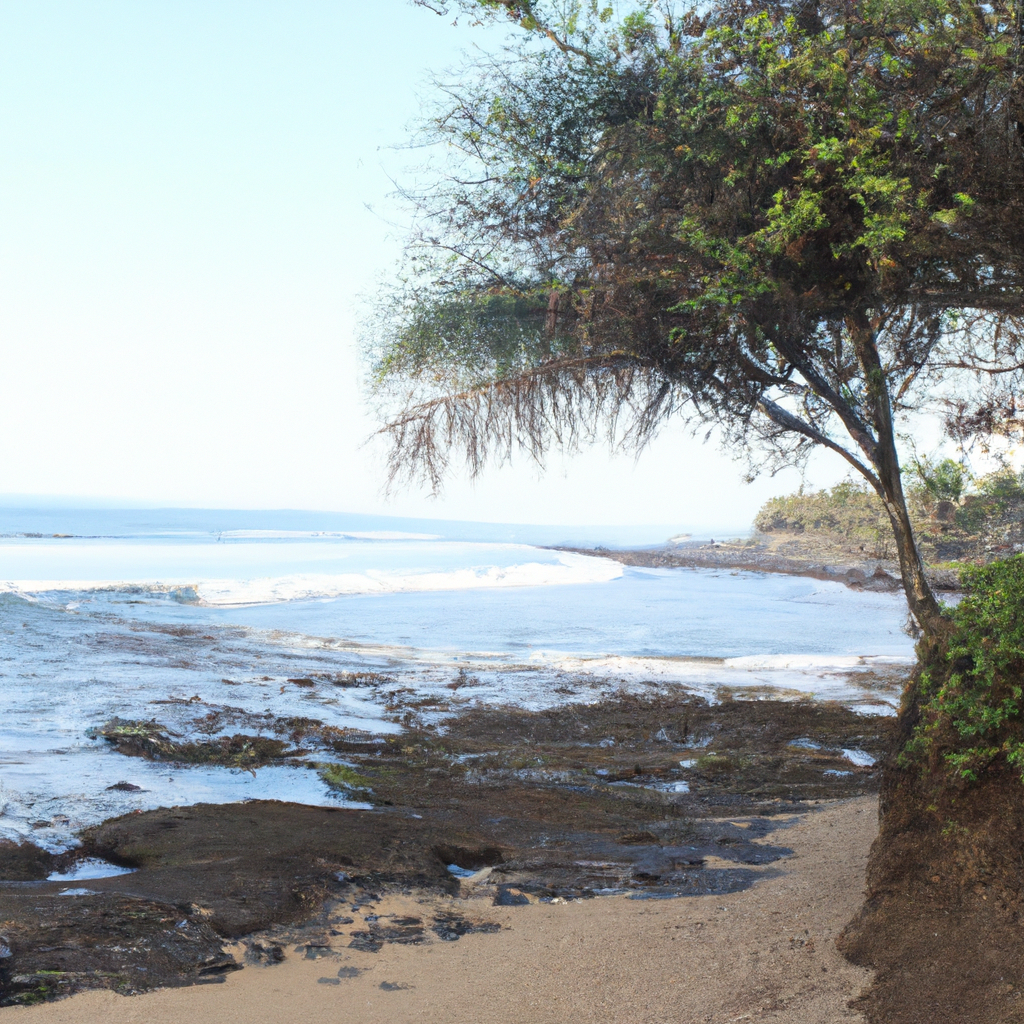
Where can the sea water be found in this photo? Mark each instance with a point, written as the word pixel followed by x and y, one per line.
pixel 173 615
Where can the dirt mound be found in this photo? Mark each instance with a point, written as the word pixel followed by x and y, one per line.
pixel 942 923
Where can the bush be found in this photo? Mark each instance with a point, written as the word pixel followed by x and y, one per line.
pixel 848 512
pixel 942 481
pixel 971 688
pixel 1004 487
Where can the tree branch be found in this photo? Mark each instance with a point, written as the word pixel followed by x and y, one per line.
pixel 787 421
pixel 855 426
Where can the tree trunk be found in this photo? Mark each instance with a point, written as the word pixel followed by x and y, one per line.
pixel 923 605
pixel 885 461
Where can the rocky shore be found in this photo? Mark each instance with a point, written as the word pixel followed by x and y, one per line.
pixel 766 953
pixel 649 798
pixel 658 801
pixel 805 557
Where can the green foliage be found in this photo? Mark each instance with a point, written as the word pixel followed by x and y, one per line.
pixel 466 337
pixel 955 518
pixel 1004 487
pixel 720 200
pixel 849 513
pixel 997 502
pixel 345 779
pixel 944 480
pixel 972 691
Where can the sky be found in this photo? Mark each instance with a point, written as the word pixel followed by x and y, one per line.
pixel 195 199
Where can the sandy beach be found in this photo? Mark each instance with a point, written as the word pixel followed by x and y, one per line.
pixel 766 954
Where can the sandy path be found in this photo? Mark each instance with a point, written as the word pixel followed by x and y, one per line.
pixel 766 954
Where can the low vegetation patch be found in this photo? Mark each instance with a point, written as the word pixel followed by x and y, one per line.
pixel 345 779
pixel 955 517
pixel 153 741
pixel 970 689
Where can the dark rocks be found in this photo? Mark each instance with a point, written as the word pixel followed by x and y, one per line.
pixel 451 927
pixel 223 964
pixel 507 896
pixel 24 862
pixel 154 742
pixel 527 803
pixel 637 838
pixel 469 859
pixel 365 942
pixel 265 953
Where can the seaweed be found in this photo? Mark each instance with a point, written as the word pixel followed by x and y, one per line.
pixel 154 742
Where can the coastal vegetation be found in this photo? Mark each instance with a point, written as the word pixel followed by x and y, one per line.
pixel 972 696
pixel 956 519
pixel 790 225
pixel 793 226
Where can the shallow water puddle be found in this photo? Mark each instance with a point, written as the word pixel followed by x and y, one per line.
pixel 87 869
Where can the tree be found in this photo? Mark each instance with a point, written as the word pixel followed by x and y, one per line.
pixel 795 223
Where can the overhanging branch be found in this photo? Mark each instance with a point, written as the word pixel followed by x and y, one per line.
pixel 787 421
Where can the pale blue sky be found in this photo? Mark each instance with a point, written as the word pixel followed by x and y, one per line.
pixel 183 237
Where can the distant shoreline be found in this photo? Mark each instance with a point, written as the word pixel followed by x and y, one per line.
pixel 757 556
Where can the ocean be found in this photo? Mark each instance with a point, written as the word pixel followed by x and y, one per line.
pixel 215 623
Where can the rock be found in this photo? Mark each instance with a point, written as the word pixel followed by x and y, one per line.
pixel 509 897
pixel 365 943
pixel 451 927
pixel 218 965
pixel 271 953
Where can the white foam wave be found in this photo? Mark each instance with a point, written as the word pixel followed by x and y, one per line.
pixel 688 667
pixel 325 535
pixel 811 662
pixel 569 568
pixel 832 677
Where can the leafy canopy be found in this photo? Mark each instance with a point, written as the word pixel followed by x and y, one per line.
pixel 698 218
pixel 792 223
pixel 972 702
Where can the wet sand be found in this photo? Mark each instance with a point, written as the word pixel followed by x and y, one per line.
pixel 763 954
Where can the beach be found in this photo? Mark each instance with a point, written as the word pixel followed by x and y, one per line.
pixel 210 750
pixel 767 954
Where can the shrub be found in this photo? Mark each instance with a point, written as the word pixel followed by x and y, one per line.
pixel 971 688
pixel 848 512
pixel 1004 487
pixel 942 481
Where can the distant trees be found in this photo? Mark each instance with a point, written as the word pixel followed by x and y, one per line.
pixel 793 222
pixel 944 480
pixel 955 518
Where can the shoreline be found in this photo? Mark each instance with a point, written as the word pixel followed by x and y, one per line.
pixel 664 800
pixel 762 556
pixel 766 953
